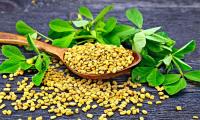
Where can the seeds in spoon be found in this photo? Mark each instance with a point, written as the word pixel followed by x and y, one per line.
pixel 97 58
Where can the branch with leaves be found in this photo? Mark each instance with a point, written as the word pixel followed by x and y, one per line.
pixel 160 58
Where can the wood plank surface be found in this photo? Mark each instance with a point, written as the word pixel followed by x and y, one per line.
pixel 181 18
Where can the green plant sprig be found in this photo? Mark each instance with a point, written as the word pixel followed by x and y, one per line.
pixel 156 47
pixel 16 60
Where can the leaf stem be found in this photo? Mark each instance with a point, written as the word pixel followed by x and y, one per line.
pixel 44 36
pixel 89 40
pixel 159 64
pixel 178 67
pixel 84 36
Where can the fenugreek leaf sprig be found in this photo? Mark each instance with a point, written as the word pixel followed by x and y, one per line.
pixel 159 56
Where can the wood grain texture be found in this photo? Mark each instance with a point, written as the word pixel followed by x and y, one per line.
pixel 181 18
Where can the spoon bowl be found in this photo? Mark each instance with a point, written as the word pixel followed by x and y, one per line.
pixel 9 38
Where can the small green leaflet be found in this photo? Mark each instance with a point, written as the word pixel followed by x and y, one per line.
pixel 103 13
pixel 182 65
pixel 86 12
pixel 174 88
pixel 155 78
pixel 146 59
pixel 42 62
pixel 139 42
pixel 30 39
pixel 12 52
pixel 113 39
pixel 139 74
pixel 193 75
pixel 23 28
pixel 63 42
pixel 135 16
pixel 151 31
pixel 80 23
pixel 60 25
pixel 37 78
pixel 9 66
pixel 167 60
pixel 171 78
pixel 110 24
pixel 189 47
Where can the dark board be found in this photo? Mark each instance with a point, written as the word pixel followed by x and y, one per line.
pixel 181 18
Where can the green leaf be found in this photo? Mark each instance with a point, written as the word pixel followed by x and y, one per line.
pixel 139 74
pixel 155 78
pixel 110 24
pixel 103 13
pixel 37 78
pixel 151 31
pixel 86 12
pixel 155 39
pixel 182 65
pixel 139 42
pixel 189 47
pixel 167 60
pixel 30 39
pixel 10 66
pixel 176 87
pixel 23 28
pixel 146 59
pixel 113 39
pixel 63 42
pixel 135 16
pixel 24 65
pixel 171 78
pixel 60 25
pixel 42 62
pixel 193 75
pixel 80 23
pixel 100 39
pixel 12 52
pixel 154 47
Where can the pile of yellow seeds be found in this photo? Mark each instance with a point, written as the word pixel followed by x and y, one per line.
pixel 97 58
pixel 63 94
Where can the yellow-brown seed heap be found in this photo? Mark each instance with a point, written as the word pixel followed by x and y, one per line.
pixel 98 59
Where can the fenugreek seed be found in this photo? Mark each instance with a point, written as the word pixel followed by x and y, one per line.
pixel 8 85
pixel 195 117
pixel 2 106
pixel 29 118
pixel 160 93
pixel 11 78
pixel 158 102
pixel 11 75
pixel 122 112
pixel 139 104
pixel 39 118
pixel 90 116
pixel 178 108
pixel 53 117
pixel 149 102
pixel 141 118
pixel 94 106
pixel 110 113
pixel 4 76
pixel 128 112
pixel 143 90
pixel 144 112
pixel 9 112
pixel 4 112
pixel 76 110
pixel 6 89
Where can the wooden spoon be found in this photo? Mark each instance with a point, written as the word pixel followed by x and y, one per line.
pixel 9 38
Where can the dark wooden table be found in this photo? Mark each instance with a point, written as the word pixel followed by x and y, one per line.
pixel 181 18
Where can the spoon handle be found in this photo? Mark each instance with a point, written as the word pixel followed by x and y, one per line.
pixel 9 38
